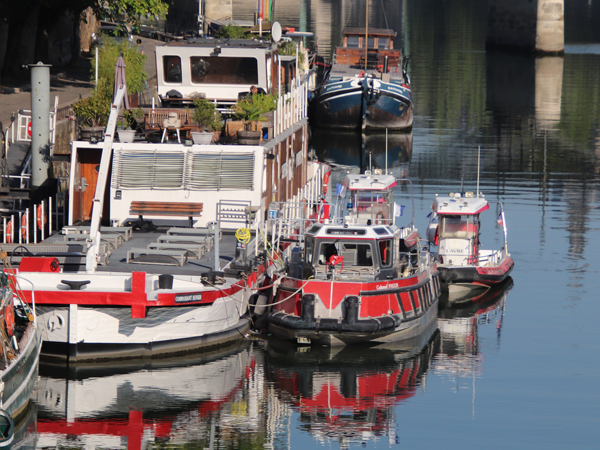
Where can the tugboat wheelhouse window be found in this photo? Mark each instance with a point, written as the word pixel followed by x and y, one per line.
pixel 457 227
pixel 355 254
pixel 309 245
pixel 385 251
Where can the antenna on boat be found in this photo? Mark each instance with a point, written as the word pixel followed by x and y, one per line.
pixel 370 162
pixel 478 166
pixel 386 149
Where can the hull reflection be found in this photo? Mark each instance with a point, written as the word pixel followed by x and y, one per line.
pixel 459 353
pixel 356 152
pixel 347 395
pixel 132 406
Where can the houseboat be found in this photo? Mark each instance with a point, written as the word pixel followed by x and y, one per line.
pixel 162 247
pixel 220 70
pixel 368 86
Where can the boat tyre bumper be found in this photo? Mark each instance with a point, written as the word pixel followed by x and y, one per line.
pixel 348 323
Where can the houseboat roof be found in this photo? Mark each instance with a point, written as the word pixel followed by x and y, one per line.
pixel 369 182
pixel 387 32
pixel 459 204
pixel 230 43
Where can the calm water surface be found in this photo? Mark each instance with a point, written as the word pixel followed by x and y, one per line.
pixel 517 370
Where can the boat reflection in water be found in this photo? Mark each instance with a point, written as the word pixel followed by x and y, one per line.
pixel 459 354
pixel 170 401
pixel 358 152
pixel 347 394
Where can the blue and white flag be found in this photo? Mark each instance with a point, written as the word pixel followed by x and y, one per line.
pixel 340 190
pixel 398 210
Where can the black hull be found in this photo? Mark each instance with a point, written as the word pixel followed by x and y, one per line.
pixel 464 275
pixel 344 109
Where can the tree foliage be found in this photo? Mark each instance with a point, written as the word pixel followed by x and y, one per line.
pixel 94 110
pixel 135 75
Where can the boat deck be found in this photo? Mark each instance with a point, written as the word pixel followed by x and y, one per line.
pixel 187 256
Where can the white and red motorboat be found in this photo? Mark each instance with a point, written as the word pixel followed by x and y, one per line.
pixel 455 228
pixel 360 278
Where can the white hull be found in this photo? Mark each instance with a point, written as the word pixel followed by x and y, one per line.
pixel 163 324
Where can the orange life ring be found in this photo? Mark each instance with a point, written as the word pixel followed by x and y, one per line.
pixel 38 214
pixel 24 226
pixel 9 318
pixel 379 218
pixel 9 231
pixel 326 181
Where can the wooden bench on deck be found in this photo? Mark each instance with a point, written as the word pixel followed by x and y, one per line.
pixel 187 209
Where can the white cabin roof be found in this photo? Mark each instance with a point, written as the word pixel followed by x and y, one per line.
pixel 368 182
pixel 367 232
pixel 458 204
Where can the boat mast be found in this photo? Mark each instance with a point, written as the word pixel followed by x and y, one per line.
pixel 367 39
pixel 478 165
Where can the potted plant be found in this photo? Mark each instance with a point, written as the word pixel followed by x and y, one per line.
pixel 250 111
pixel 128 123
pixel 92 112
pixel 208 119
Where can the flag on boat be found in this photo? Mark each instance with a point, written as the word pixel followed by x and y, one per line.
pixel 398 210
pixel 340 190
pixel 501 219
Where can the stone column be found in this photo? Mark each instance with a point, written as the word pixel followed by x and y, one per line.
pixel 550 32
pixel 528 25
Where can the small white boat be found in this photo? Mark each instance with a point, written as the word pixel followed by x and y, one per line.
pixel 358 278
pixel 455 226
pixel 20 344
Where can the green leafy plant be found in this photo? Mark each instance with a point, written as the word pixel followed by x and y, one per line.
pixel 206 115
pixel 95 109
pixel 288 48
pixel 252 108
pixel 232 32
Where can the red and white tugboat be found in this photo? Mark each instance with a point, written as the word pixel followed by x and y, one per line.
pixel 360 279
pixel 455 227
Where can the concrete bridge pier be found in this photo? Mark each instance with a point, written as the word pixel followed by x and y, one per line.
pixel 527 25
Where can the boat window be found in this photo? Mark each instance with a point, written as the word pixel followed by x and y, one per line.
pixel 172 69
pixel 365 200
pixel 352 42
pixel 314 229
pixel 385 251
pixel 355 254
pixel 384 44
pixel 457 227
pixel 345 231
pixel 309 244
pixel 223 70
pixel 371 43
pixel 381 231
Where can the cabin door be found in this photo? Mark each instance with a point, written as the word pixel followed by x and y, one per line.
pixel 88 168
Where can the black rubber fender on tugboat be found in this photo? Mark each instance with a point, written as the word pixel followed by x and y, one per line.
pixel 349 323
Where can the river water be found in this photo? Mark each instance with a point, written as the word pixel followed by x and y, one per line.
pixel 517 370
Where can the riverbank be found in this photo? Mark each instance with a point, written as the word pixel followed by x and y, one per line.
pixel 68 83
